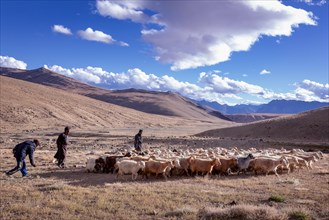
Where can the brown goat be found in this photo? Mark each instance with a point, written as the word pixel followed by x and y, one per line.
pixel 203 165
pixel 227 164
pixel 157 167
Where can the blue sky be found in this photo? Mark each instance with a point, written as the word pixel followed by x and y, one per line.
pixel 231 52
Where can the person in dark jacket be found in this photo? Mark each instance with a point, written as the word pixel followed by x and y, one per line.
pixel 138 141
pixel 20 151
pixel 62 142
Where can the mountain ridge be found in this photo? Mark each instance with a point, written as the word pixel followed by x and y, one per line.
pixel 273 107
pixel 161 103
pixel 29 107
pixel 310 126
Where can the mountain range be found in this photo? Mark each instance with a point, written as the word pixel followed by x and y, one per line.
pixel 307 127
pixel 160 103
pixel 41 99
pixel 273 107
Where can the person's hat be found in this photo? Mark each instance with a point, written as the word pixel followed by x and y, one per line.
pixel 37 143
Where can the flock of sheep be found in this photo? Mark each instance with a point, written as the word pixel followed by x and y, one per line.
pixel 204 162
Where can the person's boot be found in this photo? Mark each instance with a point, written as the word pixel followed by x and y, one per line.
pixel 11 172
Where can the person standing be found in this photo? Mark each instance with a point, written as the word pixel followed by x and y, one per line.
pixel 62 142
pixel 138 141
pixel 20 151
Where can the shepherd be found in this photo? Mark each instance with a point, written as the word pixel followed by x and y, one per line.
pixel 138 141
pixel 62 142
pixel 20 151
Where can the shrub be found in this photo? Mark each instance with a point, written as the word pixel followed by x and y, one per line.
pixel 298 215
pixel 181 212
pixel 276 198
pixel 245 212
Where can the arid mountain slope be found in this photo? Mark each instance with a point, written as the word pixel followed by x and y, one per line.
pixel 29 106
pixel 161 103
pixel 246 118
pixel 308 126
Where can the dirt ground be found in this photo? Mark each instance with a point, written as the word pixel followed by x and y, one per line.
pixel 72 193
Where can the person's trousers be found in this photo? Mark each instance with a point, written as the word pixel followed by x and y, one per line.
pixel 17 168
pixel 61 162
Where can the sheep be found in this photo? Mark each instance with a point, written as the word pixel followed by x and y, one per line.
pixel 129 167
pixel 111 160
pixel 181 166
pixel 227 164
pixel 203 165
pixel 139 158
pixel 100 164
pixel 185 164
pixel 309 159
pixel 292 163
pixel 157 167
pixel 268 164
pixel 90 167
pixel 243 162
pixel 95 165
pixel 175 163
pixel 170 168
pixel 302 162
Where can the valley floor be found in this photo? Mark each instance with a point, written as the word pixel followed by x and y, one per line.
pixel 71 193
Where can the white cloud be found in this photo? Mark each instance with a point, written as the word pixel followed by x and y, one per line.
pixel 121 10
pixel 314 2
pixel 136 78
pixel 61 29
pixel 83 75
pixel 99 36
pixel 226 85
pixel 203 33
pixel 11 62
pixel 309 88
pixel 123 44
pixel 264 72
pixel 90 34
pixel 210 86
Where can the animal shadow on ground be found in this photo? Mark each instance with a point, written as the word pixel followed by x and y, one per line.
pixel 79 177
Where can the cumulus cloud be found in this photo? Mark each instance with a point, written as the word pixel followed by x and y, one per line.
pixel 190 35
pixel 264 72
pixel 136 78
pixel 226 85
pixel 314 2
pixel 61 29
pixel 84 75
pixel 122 10
pixel 11 62
pixel 99 36
pixel 90 34
pixel 308 89
pixel 211 86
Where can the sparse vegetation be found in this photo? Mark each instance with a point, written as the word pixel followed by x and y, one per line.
pixel 185 212
pixel 276 198
pixel 298 215
pixel 52 193
pixel 246 212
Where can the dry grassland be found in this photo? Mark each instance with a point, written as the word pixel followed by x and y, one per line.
pixel 71 193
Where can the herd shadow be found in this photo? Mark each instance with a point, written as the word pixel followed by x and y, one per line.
pixel 79 177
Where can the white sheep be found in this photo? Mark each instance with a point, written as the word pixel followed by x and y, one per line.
pixel 129 167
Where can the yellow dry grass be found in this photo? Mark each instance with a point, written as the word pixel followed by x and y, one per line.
pixel 51 193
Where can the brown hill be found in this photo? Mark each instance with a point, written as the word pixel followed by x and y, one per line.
pixel 246 118
pixel 311 126
pixel 161 103
pixel 29 106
